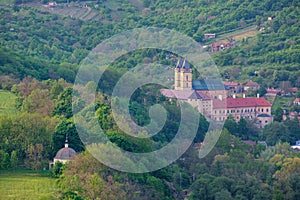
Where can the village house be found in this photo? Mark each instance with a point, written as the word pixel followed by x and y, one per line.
pixel 297 102
pixel 272 92
pixel 251 85
pixel 216 46
pixel 296 147
pixel 211 97
pixel 52 4
pixel 233 87
pixel 208 36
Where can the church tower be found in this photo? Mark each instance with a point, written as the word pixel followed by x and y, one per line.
pixel 183 75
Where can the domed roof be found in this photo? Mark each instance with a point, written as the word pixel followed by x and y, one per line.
pixel 263 115
pixel 65 153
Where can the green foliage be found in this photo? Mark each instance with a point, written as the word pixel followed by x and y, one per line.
pixel 286 131
pixel 66 129
pixel 23 132
pixel 57 169
pixel 67 100
pixel 14 159
pixel 231 125
pixel 278 114
pixel 5 161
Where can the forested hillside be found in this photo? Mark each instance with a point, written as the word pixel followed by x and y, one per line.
pixel 43 46
pixel 36 33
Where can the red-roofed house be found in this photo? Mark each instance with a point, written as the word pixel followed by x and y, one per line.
pixel 233 87
pixel 293 90
pixel 52 4
pixel 251 85
pixel 297 101
pixel 250 107
pixel 209 35
pixel 272 92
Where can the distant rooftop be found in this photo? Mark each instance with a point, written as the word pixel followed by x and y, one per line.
pixel 208 84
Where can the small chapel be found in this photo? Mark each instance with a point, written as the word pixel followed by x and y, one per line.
pixel 64 155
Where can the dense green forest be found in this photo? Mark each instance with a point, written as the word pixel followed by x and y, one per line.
pixel 41 52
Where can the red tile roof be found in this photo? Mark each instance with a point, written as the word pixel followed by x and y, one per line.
pixel 184 94
pixel 241 102
pixel 247 102
pixel 203 96
pixel 294 89
pixel 231 84
pixel 297 100
pixel 219 104
pixel 252 84
pixel 177 94
pixel 272 91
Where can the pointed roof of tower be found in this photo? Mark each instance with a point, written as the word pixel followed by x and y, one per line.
pixel 183 63
pixel 186 64
pixel 179 63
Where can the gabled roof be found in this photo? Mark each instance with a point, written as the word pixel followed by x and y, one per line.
pixel 231 84
pixel 294 89
pixel 177 94
pixel 184 94
pixel 252 84
pixel 183 64
pixel 297 100
pixel 219 104
pixel 208 84
pixel 272 91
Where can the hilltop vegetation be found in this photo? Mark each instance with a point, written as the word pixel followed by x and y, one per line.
pixel 273 53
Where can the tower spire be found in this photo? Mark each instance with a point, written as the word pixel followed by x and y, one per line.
pixel 66 142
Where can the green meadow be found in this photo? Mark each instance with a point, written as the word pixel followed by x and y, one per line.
pixel 26 185
pixel 7 103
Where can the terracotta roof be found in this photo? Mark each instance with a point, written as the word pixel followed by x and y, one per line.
pixel 203 96
pixel 219 104
pixel 297 100
pixel 294 89
pixel 215 44
pixel 231 84
pixel 247 102
pixel 177 94
pixel 241 102
pixel 252 84
pixel 272 91
pixel 184 94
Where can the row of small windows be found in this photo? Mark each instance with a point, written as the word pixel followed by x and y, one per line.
pixel 242 111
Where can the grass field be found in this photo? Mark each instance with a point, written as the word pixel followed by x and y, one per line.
pixel 26 185
pixel 238 34
pixel 282 102
pixel 7 103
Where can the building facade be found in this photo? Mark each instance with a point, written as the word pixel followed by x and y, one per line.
pixel 211 98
